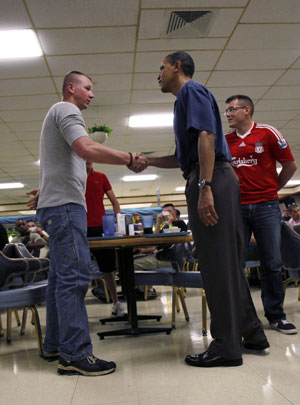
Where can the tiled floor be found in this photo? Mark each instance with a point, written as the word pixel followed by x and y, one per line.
pixel 151 370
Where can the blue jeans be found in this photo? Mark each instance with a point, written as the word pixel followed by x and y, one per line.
pixel 264 220
pixel 67 328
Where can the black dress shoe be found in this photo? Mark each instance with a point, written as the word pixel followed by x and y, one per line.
pixel 208 359
pixel 256 346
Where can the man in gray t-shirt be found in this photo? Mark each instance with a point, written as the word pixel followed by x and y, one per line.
pixel 64 148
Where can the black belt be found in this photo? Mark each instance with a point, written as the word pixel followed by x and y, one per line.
pixel 192 166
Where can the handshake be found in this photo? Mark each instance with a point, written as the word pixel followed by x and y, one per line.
pixel 138 162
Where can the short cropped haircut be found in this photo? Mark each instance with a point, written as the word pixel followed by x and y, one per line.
pixel 291 207
pixel 186 60
pixel 71 77
pixel 168 205
pixel 245 99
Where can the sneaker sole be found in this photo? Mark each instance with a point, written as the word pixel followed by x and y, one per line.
pixel 71 370
pixel 285 332
pixel 116 314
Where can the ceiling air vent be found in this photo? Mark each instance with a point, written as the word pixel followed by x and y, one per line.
pixel 186 24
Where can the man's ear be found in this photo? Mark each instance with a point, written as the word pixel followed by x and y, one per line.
pixel 177 66
pixel 70 87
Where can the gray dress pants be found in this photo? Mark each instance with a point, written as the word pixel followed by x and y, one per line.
pixel 220 254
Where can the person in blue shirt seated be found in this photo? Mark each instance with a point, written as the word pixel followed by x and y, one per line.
pixel 148 258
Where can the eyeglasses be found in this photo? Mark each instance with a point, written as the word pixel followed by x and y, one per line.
pixel 230 110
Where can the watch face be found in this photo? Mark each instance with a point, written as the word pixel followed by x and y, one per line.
pixel 201 183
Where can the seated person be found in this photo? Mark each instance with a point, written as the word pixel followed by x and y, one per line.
pixel 31 240
pixel 295 214
pixel 285 215
pixel 148 258
pixel 33 228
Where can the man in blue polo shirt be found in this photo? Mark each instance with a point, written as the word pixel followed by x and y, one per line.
pixel 212 193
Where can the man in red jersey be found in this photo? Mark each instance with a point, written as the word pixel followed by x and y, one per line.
pixel 97 185
pixel 255 149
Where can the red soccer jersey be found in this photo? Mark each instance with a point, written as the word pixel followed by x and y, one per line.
pixel 254 161
pixel 97 185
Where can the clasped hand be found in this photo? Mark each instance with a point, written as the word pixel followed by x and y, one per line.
pixel 139 162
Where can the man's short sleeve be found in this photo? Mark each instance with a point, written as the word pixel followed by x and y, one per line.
pixel 70 122
pixel 106 184
pixel 200 114
pixel 279 146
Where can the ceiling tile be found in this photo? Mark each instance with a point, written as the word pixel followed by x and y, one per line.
pixel 149 80
pixel 265 36
pixel 284 92
pixel 257 59
pixel 192 3
pixel 26 86
pixel 111 97
pixel 222 93
pixel 13 15
pixel 29 67
pixel 151 96
pixel 91 64
pixel 27 102
pixel 272 10
pixel 24 115
pixel 72 13
pixel 244 78
pixel 150 62
pixel 278 105
pixel 188 44
pixel 87 40
pixel 266 116
pixel 105 82
pixel 26 126
pixel 291 77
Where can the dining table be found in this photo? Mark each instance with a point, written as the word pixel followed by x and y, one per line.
pixel 124 246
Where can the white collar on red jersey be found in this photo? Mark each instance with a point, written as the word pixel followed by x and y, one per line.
pixel 246 133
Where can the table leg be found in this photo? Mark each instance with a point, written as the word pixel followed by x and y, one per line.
pixel 128 284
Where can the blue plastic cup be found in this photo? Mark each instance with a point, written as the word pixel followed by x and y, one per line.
pixel 108 225
pixel 147 221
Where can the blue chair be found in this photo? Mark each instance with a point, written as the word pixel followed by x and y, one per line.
pixel 290 254
pixel 27 297
pixel 176 278
pixel 18 270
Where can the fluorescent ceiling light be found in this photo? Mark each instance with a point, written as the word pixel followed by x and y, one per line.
pixel 4 186
pixel 19 44
pixel 124 206
pixel 151 120
pixel 140 177
pixel 29 212
pixel 179 188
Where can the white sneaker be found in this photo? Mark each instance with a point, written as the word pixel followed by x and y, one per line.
pixel 118 309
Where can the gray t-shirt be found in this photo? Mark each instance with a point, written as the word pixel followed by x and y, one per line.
pixel 62 171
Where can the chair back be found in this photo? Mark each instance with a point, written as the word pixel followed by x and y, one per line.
pixel 290 250
pixel 297 228
pixel 177 254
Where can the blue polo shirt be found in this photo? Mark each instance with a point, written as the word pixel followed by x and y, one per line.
pixel 196 110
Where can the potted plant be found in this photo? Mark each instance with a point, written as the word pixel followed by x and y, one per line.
pixel 99 133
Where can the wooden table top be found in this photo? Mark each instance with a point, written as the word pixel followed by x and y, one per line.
pixel 140 240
